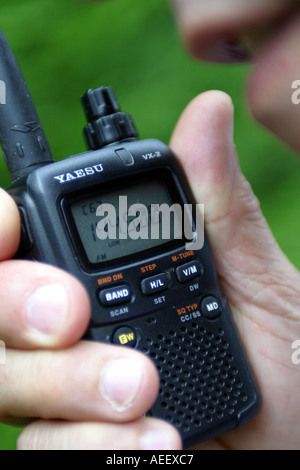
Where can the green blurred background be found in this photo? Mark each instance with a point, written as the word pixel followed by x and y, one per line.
pixel 65 47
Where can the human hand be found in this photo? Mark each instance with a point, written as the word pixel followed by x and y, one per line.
pixel 77 394
pixel 262 287
pixel 266 31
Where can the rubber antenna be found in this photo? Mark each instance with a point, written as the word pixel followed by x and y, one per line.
pixel 22 139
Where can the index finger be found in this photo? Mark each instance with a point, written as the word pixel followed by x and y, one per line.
pixel 212 29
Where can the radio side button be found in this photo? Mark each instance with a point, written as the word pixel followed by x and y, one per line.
pixel 26 242
pixel 115 295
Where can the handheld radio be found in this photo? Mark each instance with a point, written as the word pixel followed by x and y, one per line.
pixel 155 293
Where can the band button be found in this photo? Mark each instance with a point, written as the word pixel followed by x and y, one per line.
pixel 115 295
pixel 124 336
pixel 211 307
pixel 189 271
pixel 154 284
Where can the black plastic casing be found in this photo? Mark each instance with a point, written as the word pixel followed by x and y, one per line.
pixel 207 387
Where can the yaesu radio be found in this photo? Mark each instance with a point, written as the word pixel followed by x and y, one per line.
pixel 157 294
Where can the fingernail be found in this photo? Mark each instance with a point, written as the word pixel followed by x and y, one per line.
pixel 46 308
pixel 120 382
pixel 235 52
pixel 158 439
pixel 228 52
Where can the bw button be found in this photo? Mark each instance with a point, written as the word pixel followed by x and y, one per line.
pixel 124 336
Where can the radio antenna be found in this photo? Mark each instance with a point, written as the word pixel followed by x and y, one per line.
pixel 22 138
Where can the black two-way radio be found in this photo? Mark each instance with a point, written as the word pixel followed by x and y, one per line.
pixel 150 288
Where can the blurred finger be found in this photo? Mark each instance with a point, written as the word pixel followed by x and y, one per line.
pixel 88 382
pixel 40 306
pixel 212 30
pixel 145 434
pixel 273 100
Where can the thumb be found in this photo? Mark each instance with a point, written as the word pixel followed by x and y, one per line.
pixel 246 254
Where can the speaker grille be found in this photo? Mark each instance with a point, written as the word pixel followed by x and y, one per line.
pixel 200 378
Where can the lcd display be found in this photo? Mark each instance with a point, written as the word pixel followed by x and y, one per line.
pixel 128 221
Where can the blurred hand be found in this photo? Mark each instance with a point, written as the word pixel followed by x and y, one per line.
pixel 71 387
pixel 267 31
pixel 238 30
pixel 100 392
